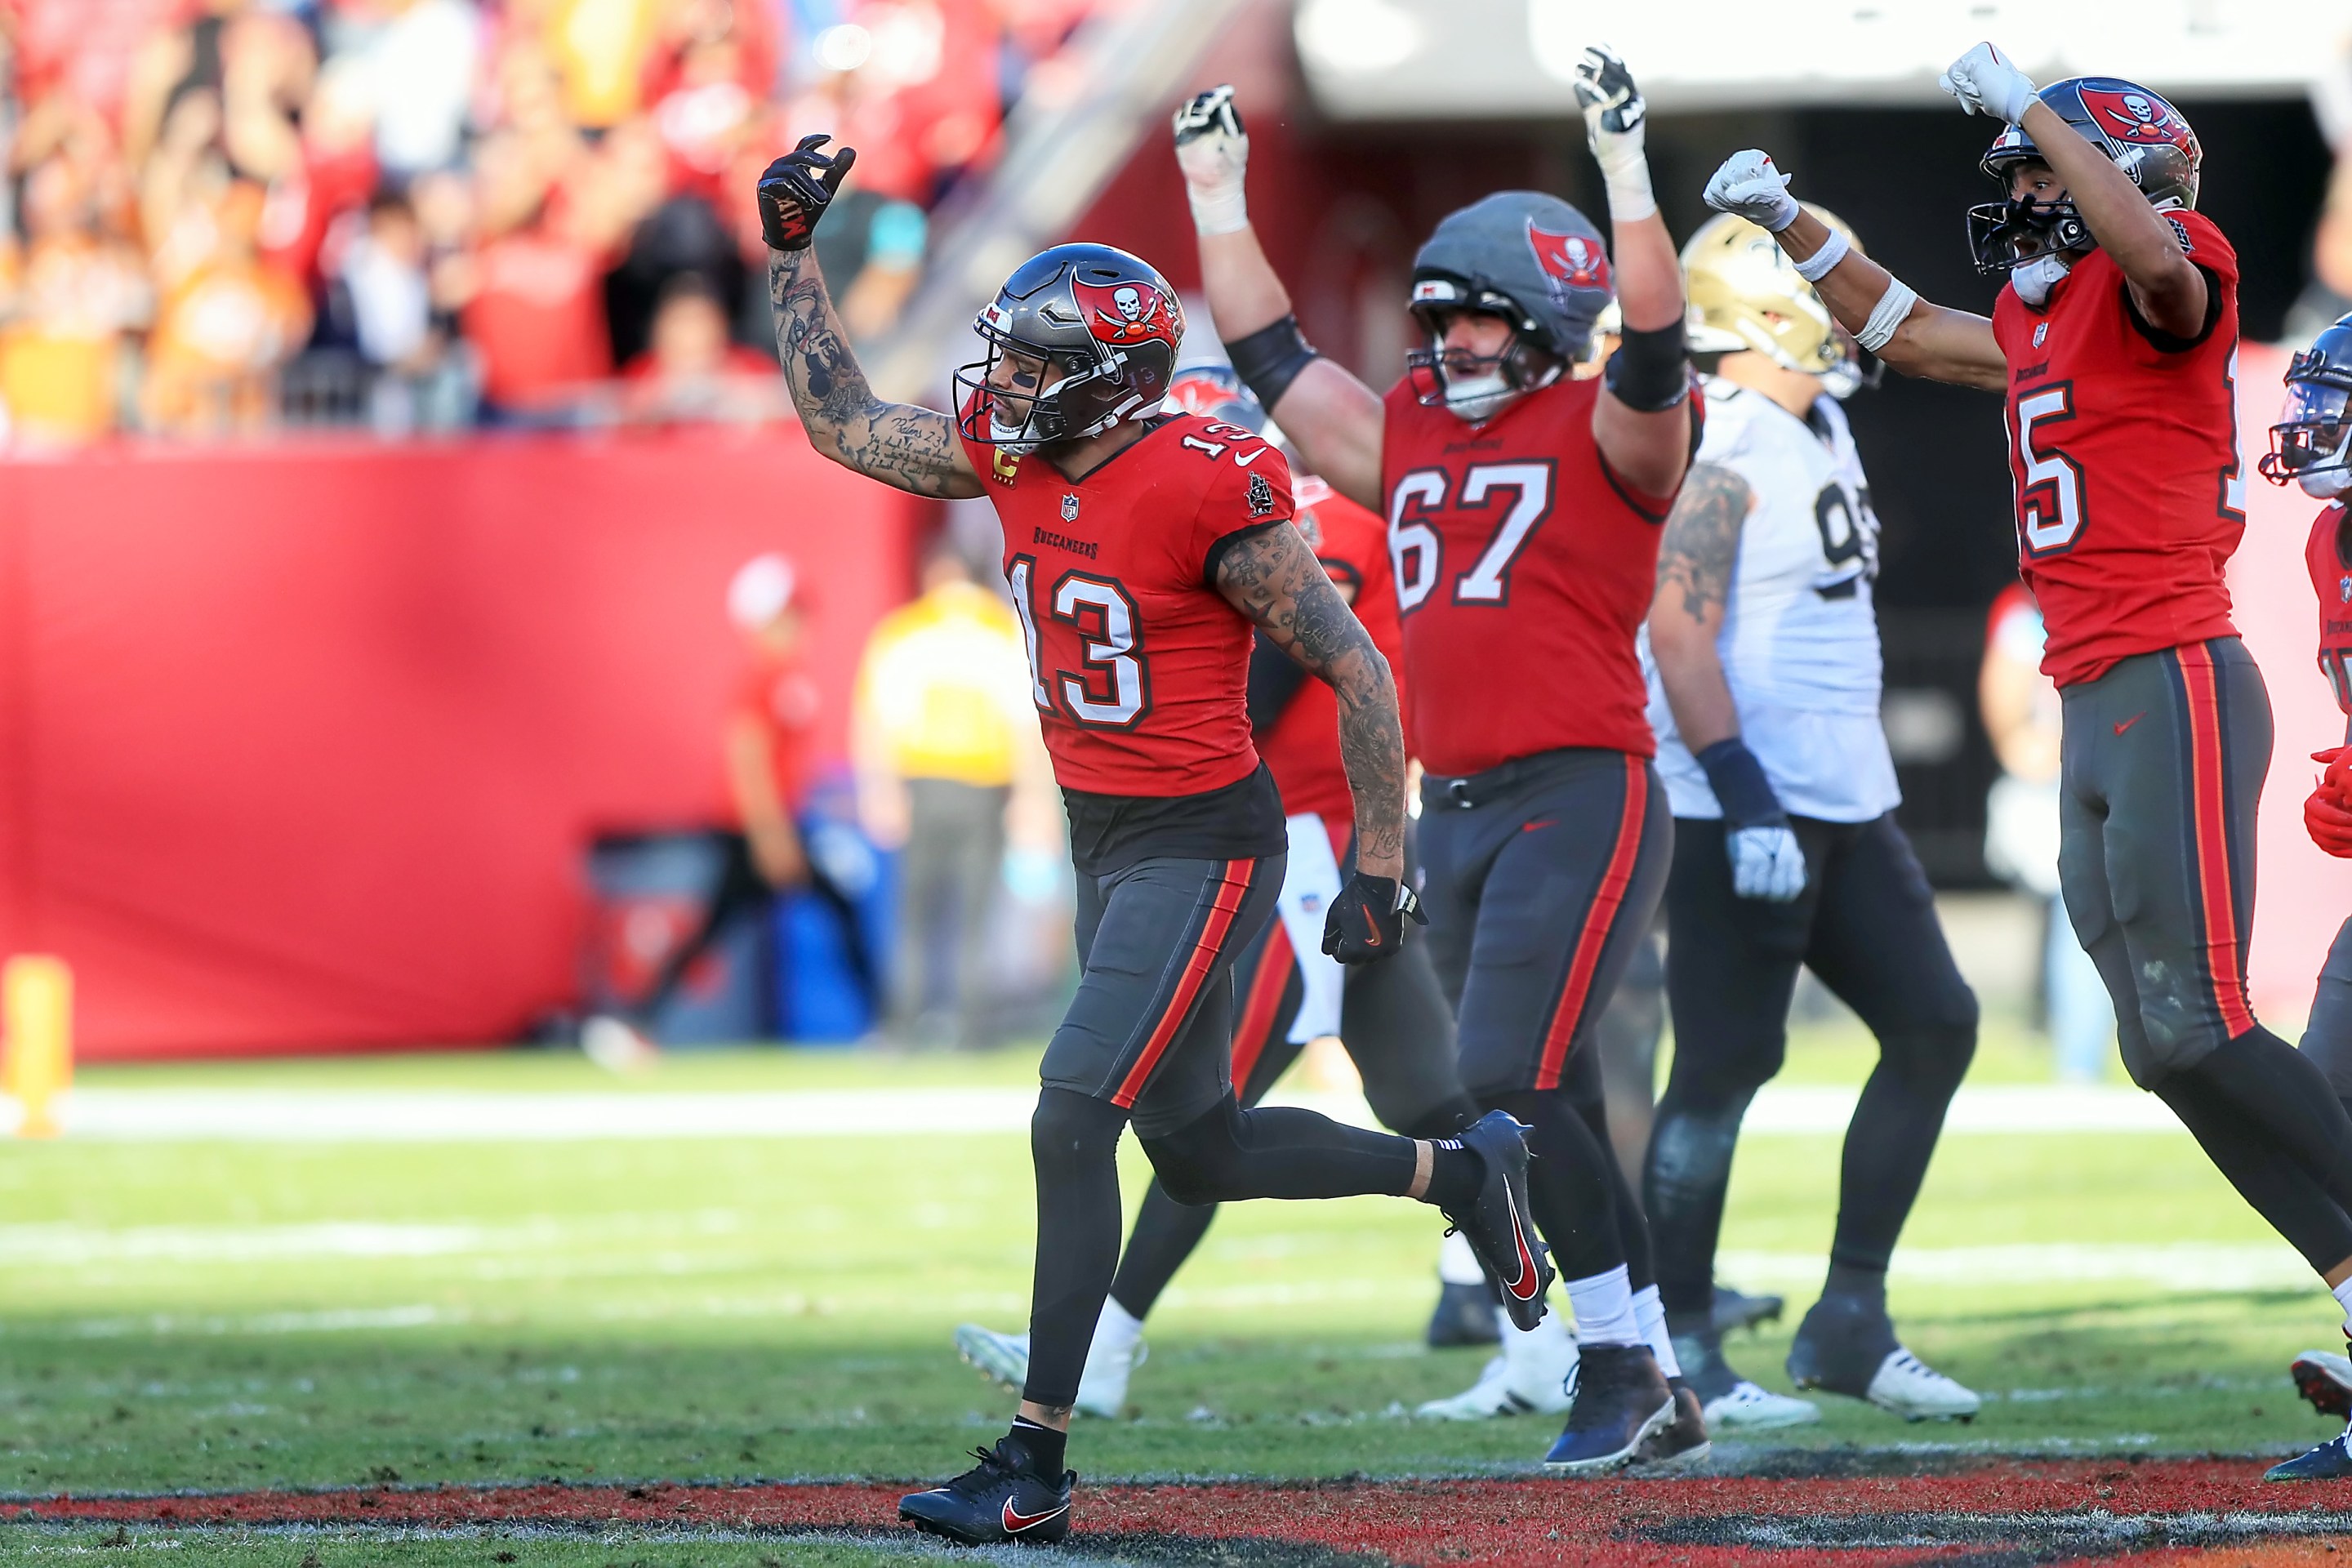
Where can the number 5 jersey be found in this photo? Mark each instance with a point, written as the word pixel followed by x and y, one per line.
pixel 1139 667
pixel 1799 637
pixel 2123 445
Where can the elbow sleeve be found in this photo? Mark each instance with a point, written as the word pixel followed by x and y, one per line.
pixel 1268 360
pixel 1648 373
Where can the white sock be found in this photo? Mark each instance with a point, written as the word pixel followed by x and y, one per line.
pixel 2343 1294
pixel 1457 1264
pixel 1650 1315
pixel 1604 1309
pixel 1115 1332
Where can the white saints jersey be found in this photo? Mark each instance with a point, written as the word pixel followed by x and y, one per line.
pixel 1800 639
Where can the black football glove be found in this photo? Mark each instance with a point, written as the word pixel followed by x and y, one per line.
pixel 794 190
pixel 1366 922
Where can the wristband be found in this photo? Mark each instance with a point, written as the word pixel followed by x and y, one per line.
pixel 1892 309
pixel 1224 209
pixel 1268 360
pixel 1627 184
pixel 1816 267
pixel 1739 784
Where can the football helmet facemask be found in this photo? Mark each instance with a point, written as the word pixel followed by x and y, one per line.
pixel 2140 133
pixel 1531 261
pixel 2309 444
pixel 1101 326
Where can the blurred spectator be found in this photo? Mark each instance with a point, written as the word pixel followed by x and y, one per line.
pixel 227 325
pixel 421 381
pixel 67 304
pixel 692 371
pixel 416 61
pixel 601 50
pixel 942 731
pixel 876 244
pixel 2022 715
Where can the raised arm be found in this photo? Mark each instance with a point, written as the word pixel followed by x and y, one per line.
pixel 1883 313
pixel 912 448
pixel 2169 289
pixel 1641 419
pixel 1272 577
pixel 1332 419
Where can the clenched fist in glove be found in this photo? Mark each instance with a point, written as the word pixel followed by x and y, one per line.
pixel 1366 922
pixel 794 190
pixel 1615 121
pixel 1986 83
pixel 1748 186
pixel 1212 150
pixel 1767 861
pixel 2328 814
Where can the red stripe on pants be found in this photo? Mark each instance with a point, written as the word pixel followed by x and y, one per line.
pixel 2210 827
pixel 1600 921
pixel 1232 883
pixel 1264 1000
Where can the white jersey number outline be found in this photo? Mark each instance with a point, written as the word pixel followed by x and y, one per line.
pixel 2049 493
pixel 1416 552
pixel 1106 618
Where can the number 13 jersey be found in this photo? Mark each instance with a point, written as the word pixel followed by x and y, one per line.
pixel 1524 568
pixel 2123 445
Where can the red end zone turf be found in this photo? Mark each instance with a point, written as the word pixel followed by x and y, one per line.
pixel 2160 1511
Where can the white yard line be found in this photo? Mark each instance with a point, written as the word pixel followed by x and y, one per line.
pixel 424 1116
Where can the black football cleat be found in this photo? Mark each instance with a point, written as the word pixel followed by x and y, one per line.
pixel 1682 1443
pixel 2331 1461
pixel 999 1499
pixel 2324 1378
pixel 1465 1316
pixel 1497 1224
pixel 1736 1308
pixel 1621 1402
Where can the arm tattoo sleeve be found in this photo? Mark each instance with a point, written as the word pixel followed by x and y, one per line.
pixel 913 448
pixel 1272 577
pixel 1702 541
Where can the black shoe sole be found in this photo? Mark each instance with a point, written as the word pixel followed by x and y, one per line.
pixel 2326 1395
pixel 933 1527
pixel 1742 1311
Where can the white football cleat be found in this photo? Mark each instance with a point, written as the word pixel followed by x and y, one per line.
pixel 1917 1392
pixel 616 1045
pixel 1750 1408
pixel 2324 1378
pixel 1102 1387
pixel 1529 1377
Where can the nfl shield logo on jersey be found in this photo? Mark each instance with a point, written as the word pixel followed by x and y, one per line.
pixel 2041 330
pixel 2343 592
pixel 1070 509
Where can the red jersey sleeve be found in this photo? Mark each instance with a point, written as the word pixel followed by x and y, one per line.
pixel 2204 242
pixel 1248 487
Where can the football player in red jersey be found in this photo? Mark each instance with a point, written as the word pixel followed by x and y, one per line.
pixel 1142 551
pixel 2312 446
pixel 2114 343
pixel 1523 507
pixel 1392 1017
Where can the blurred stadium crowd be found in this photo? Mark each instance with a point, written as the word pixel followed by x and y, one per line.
pixel 226 216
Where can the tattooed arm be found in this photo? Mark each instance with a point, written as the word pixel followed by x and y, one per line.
pixel 1694 565
pixel 1273 577
pixel 913 448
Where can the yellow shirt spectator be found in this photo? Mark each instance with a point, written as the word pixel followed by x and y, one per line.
pixel 944 688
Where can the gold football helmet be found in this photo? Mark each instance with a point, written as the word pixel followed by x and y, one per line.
pixel 1744 293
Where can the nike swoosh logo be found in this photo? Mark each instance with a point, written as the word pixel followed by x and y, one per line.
pixel 1529 1284
pixel 2130 721
pixel 1017 1522
pixel 1372 927
pixel 1537 827
pixel 1242 462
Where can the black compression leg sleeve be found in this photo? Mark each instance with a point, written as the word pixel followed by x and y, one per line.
pixel 1277 1152
pixel 2273 1181
pixel 1684 1184
pixel 1891 1139
pixel 1588 1092
pixel 1073 1141
pixel 1568 1181
pixel 2279 1089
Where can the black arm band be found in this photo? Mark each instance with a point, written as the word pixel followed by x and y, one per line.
pixel 1275 677
pixel 1739 784
pixel 1648 372
pixel 1270 359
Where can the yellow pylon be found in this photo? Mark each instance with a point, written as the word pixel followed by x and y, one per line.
pixel 36 1044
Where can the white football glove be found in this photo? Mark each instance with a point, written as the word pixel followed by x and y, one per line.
pixel 1615 122
pixel 1748 186
pixel 1766 863
pixel 1212 150
pixel 1986 83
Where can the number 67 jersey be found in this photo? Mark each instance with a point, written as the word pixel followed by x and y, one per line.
pixel 2123 443
pixel 1524 567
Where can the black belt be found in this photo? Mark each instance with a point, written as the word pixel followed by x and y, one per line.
pixel 1478 789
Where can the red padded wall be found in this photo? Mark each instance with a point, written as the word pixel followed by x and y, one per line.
pixel 300 746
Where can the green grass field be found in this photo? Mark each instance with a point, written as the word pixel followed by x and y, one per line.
pixel 213 1316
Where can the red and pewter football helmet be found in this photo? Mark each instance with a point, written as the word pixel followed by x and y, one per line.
pixel 1527 258
pixel 1106 322
pixel 2141 133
